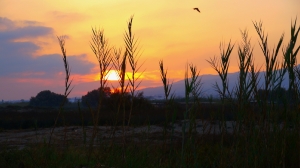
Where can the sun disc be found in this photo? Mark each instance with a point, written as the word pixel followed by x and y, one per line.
pixel 112 75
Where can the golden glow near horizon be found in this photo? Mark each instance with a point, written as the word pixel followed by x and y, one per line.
pixel 166 30
pixel 112 75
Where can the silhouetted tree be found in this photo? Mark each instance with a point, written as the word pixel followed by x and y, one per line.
pixel 112 98
pixel 47 98
pixel 92 97
pixel 139 102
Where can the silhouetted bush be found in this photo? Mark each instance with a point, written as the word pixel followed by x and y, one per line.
pixel 92 97
pixel 111 99
pixel 278 95
pixel 139 101
pixel 47 98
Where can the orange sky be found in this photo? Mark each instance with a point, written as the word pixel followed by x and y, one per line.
pixel 167 30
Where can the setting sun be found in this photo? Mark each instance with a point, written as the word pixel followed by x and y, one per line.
pixel 112 75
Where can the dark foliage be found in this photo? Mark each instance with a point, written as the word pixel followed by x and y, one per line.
pixel 47 98
pixel 111 99
pixel 92 97
pixel 278 95
pixel 139 102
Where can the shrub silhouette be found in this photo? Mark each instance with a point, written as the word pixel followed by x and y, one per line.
pixel 47 98
pixel 92 97
pixel 140 102
pixel 277 95
pixel 113 97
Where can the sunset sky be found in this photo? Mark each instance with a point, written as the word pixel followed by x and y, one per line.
pixel 168 30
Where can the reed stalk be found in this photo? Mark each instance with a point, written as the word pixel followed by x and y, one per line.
pixel 221 67
pixel 271 67
pixel 102 51
pixel 246 84
pixel 290 61
pixel 132 48
pixel 166 83
pixel 68 90
pixel 119 63
pixel 192 88
pixel 167 86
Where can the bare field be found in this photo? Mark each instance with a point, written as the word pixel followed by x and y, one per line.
pixel 79 135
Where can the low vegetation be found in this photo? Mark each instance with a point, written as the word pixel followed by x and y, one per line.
pixel 264 127
pixel 46 98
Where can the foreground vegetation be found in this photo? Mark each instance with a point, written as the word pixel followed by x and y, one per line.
pixel 265 134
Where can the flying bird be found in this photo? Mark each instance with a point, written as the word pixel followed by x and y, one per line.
pixel 197 9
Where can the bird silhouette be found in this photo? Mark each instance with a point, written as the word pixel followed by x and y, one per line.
pixel 197 9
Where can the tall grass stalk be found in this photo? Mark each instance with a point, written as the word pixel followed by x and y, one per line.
pixel 246 84
pixel 221 67
pixel 102 51
pixel 169 105
pixel 271 66
pixel 273 77
pixel 166 83
pixel 290 62
pixel 292 111
pixel 192 86
pixel 119 64
pixel 68 90
pixel 168 99
pixel 131 45
pixel 196 92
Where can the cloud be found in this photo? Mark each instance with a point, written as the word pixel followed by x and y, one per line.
pixel 16 58
pixel 10 30
pixel 25 32
pixel 6 23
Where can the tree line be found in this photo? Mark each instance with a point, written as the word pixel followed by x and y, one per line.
pixel 110 98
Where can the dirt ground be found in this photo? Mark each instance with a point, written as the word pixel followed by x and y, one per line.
pixel 76 135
